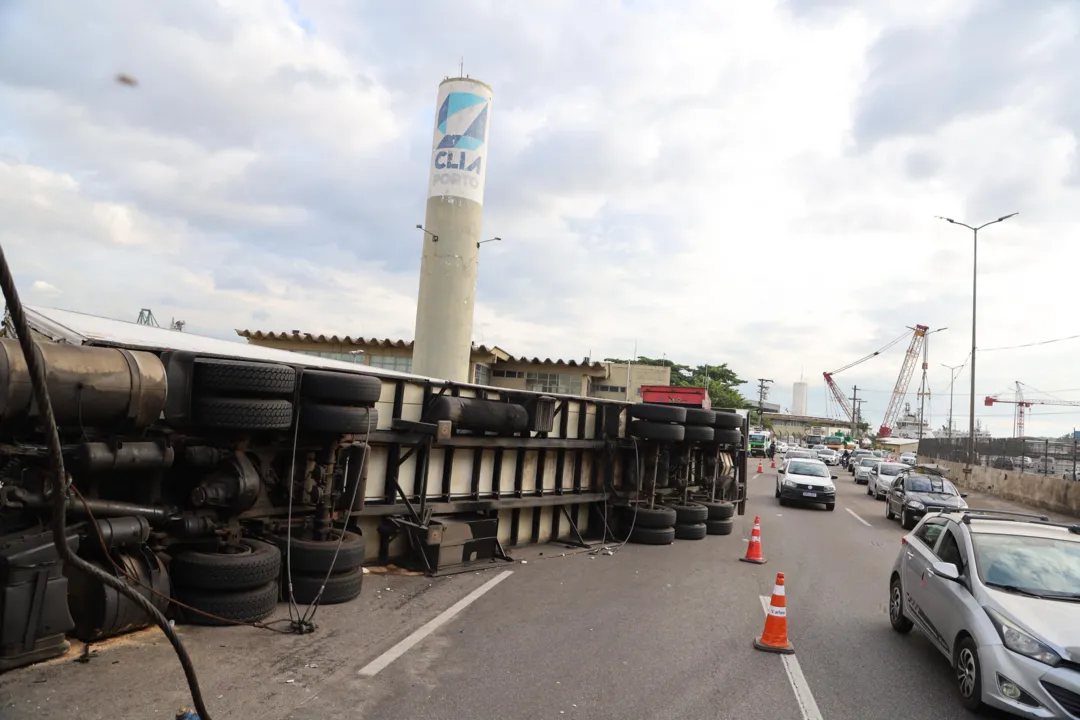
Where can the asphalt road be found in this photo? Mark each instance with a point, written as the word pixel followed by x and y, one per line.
pixel 649 632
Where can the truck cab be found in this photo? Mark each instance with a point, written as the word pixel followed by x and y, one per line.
pixel 759 442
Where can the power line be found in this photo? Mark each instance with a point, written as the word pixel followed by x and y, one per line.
pixel 1033 344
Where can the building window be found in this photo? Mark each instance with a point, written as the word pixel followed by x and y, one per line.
pixel 508 373
pixel 552 383
pixel 611 389
pixel 358 359
pixel 392 362
pixel 481 374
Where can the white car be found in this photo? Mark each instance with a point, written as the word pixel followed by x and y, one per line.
pixel 882 477
pixel 864 468
pixel 794 453
pixel 829 456
pixel 908 458
pixel 781 447
pixel 806 481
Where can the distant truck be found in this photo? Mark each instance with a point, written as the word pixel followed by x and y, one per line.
pixel 759 442
pixel 834 442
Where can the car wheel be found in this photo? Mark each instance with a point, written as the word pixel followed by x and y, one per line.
pixel 888 510
pixel 968 674
pixel 899 622
pixel 830 506
pixel 868 490
pixel 777 491
pixel 905 520
pixel 784 501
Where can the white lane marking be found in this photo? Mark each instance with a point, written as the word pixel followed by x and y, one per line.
pixel 803 697
pixel 379 663
pixel 856 516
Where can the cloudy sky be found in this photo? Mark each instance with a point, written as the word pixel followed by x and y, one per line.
pixel 749 182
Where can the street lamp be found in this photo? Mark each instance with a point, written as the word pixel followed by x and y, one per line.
pixel 434 237
pixel 494 239
pixel 953 370
pixel 974 305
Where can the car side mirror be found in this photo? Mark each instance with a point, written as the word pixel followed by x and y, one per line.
pixel 946 570
pixel 835 477
pixel 963 495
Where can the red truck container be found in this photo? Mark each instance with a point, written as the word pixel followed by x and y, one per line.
pixel 668 395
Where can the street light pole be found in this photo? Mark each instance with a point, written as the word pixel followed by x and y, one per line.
pixel 922 389
pixel 974 307
pixel 953 369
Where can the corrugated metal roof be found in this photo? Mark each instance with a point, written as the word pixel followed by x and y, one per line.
pixel 360 341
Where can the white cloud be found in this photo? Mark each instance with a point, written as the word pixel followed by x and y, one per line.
pixel 716 182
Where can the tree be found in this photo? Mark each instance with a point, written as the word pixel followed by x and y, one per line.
pixel 720 380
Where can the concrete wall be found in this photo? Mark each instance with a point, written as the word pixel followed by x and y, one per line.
pixel 639 375
pixel 1047 493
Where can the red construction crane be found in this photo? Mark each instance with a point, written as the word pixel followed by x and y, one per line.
pixel 837 393
pixel 1021 403
pixel 892 412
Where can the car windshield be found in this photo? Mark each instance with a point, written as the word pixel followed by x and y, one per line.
pixel 800 454
pixel 879 453
pixel 929 484
pixel 1037 565
pixel 826 452
pixel 890 468
pixel 868 462
pixel 808 468
pixel 757 438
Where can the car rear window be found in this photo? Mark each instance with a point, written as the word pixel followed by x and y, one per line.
pixel 868 462
pixel 891 468
pixel 928 484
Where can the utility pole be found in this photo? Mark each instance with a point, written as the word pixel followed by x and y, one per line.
pixel 854 411
pixel 925 364
pixel 763 392
pixel 953 370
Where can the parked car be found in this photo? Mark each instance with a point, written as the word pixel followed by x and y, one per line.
pixel 914 494
pixel 829 456
pixel 882 478
pixel 807 481
pixel 997 595
pixel 857 455
pixel 908 458
pixel 863 469
pixel 781 447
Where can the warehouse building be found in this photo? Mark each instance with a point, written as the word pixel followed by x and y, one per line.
pixel 490 365
pixel 797 425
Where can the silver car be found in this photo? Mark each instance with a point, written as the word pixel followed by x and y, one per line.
pixel 998 593
pixel 882 478
pixel 864 468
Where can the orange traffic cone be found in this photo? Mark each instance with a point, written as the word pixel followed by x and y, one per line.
pixel 753 550
pixel 772 464
pixel 774 639
pixel 759 468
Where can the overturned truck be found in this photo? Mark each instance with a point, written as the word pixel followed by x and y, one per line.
pixel 219 479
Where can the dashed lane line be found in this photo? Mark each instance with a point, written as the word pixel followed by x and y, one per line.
pixel 378 664
pixel 856 516
pixel 808 707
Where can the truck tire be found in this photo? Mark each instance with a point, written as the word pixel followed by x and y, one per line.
pixel 343 419
pixel 728 420
pixel 665 432
pixel 315 556
pixel 719 510
pixel 720 527
pixel 242 377
pixel 727 436
pixel 340 587
pixel 652 536
pixel 700 416
pixel 658 413
pixel 657 517
pixel 697 433
pixel 690 514
pixel 241 606
pixel 691 531
pixel 242 413
pixel 340 388
pixel 251 564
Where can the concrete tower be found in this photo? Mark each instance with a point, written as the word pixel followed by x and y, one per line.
pixel 444 306
pixel 798 398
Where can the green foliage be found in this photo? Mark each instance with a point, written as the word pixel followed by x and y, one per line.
pixel 720 380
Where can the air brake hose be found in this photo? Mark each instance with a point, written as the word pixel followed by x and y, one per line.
pixel 58 481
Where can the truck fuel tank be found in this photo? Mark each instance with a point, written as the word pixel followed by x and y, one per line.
pixel 88 386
